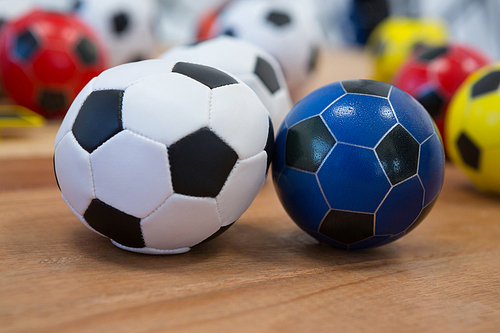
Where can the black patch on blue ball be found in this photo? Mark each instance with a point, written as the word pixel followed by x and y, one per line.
pixel 347 227
pixel 423 214
pixel 307 144
pixel 398 153
pixel 366 87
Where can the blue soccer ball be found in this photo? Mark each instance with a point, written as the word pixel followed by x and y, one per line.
pixel 358 163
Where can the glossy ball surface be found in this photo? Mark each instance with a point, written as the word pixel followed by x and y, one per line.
pixel 434 75
pixel 358 163
pixel 46 58
pixel 472 128
pixel 395 38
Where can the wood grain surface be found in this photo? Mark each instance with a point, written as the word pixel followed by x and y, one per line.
pixel 262 275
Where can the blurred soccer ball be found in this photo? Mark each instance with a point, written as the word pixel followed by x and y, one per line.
pixel 254 66
pixel 126 26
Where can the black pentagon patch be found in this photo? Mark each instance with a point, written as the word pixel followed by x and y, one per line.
pixel 347 227
pixel 200 164
pixel 469 151
pixel 120 23
pixel 229 32
pixel 313 59
pixel 486 84
pixel 269 148
pixel 266 74
pixel 52 101
pixel 307 144
pixel 86 51
pixel 209 76
pixel 398 153
pixel 216 234
pixel 278 18
pixel 367 87
pixel 77 5
pixel 99 118
pixel 432 102
pixel 423 214
pixel 25 45
pixel 430 54
pixel 117 225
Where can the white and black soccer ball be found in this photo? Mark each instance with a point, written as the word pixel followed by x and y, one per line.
pixel 127 27
pixel 250 63
pixel 160 156
pixel 289 30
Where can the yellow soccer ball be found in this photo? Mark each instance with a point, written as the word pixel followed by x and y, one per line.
pixel 393 40
pixel 472 128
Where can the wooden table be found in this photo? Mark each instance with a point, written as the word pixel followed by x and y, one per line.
pixel 262 275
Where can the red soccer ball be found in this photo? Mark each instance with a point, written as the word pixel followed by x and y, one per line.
pixel 46 58
pixel 434 74
pixel 208 21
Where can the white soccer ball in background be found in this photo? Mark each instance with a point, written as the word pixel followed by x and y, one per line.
pixel 289 30
pixel 250 63
pixel 127 27
pixel 11 9
pixel 159 156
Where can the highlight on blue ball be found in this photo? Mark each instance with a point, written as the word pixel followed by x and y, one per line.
pixel 358 163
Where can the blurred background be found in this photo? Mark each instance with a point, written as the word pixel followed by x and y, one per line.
pixel 296 32
pixel 345 23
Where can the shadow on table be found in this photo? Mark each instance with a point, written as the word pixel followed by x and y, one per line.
pixel 101 249
pixel 263 245
pixel 249 246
